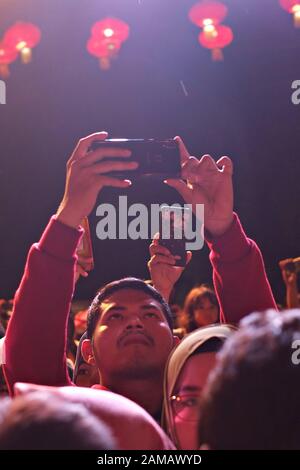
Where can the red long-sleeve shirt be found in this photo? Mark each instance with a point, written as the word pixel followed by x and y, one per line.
pixel 35 344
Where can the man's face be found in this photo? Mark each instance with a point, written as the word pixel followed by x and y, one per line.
pixel 132 338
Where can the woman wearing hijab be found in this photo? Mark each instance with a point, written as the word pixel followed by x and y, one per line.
pixel 186 373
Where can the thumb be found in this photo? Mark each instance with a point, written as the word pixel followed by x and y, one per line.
pixel 181 187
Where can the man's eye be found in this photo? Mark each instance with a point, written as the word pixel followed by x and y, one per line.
pixel 151 315
pixel 116 316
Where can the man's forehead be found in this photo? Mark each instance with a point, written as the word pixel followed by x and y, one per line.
pixel 124 297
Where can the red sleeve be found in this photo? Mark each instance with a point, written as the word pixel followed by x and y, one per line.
pixel 239 275
pixel 35 344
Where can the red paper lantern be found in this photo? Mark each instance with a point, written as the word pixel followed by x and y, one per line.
pixel 292 6
pixel 103 49
pixel 224 37
pixel 207 13
pixel 106 40
pixel 23 37
pixel 7 56
pixel 111 28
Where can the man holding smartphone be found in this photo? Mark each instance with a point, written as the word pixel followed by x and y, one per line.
pixel 130 332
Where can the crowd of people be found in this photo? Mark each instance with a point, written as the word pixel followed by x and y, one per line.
pixel 135 371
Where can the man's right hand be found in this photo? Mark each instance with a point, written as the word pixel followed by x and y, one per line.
pixel 86 176
pixel 207 182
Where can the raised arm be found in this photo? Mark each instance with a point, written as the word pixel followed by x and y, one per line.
pixel 239 275
pixel 35 344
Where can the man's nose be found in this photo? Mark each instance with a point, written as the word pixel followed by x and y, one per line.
pixel 134 321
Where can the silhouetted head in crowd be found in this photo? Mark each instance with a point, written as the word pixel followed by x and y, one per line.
pixel 252 397
pixel 43 421
pixel 3 386
pixel 129 340
pixel 187 370
pixel 6 307
pixel 201 308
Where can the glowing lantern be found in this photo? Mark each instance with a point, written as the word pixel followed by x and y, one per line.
pixel 223 38
pixel 207 15
pixel 111 28
pixel 104 50
pixel 107 38
pixel 23 37
pixel 292 6
pixel 7 56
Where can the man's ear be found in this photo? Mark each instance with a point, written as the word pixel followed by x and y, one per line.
pixel 87 352
pixel 176 341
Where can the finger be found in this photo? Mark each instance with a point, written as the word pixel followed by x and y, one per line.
pixel 83 259
pixel 207 162
pixel 226 165
pixel 84 144
pixel 283 262
pixel 99 154
pixel 113 182
pixel 81 271
pixel 189 256
pixel 159 250
pixel 181 187
pixel 161 259
pixel 190 168
pixel 184 154
pixel 155 240
pixel 106 167
pixel 198 173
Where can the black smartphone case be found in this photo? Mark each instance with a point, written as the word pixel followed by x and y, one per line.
pixel 157 158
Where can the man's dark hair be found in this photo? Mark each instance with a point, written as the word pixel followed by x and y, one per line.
pixel 212 345
pixel 125 283
pixel 251 400
pixel 2 332
pixel 42 421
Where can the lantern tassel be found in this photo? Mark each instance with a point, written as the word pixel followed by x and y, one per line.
pixel 104 63
pixel 217 55
pixel 4 71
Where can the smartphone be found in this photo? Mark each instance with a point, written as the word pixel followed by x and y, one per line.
pixel 85 250
pixel 172 220
pixel 156 158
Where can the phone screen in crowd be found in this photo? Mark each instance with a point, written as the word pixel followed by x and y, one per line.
pixel 172 221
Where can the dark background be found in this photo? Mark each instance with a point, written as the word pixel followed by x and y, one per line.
pixel 241 108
